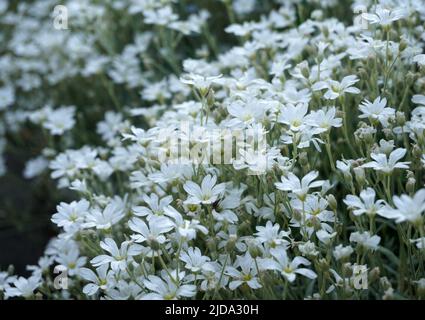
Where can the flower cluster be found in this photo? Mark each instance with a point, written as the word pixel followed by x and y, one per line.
pixel 337 188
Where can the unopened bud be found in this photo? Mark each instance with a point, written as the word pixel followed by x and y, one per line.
pixel 416 152
pixel 231 243
pixel 410 185
pixel 400 118
pixel 305 72
pixel 410 77
pixel 403 45
pixel 389 135
pixel 323 265
pixel 254 251
pixel 347 270
pixel 210 98
pixel 303 159
pixel 385 283
pixel 212 245
pixel 332 202
pixel 374 274
pixel 360 176
pixel 154 244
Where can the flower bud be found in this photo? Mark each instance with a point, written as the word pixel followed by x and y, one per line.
pixel 360 176
pixel 303 159
pixel 400 118
pixel 347 270
pixel 332 202
pixel 154 244
pixel 231 243
pixel 374 274
pixel 317 14
pixel 385 283
pixel 254 251
pixel 416 152
pixel 389 135
pixel 296 215
pixel 325 32
pixel 403 45
pixel 410 77
pixel 210 98
pixel 420 288
pixel 305 72
pixel 323 265
pixel 410 185
pixel 211 245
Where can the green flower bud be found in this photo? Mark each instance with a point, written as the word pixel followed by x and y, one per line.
pixel 154 244
pixel 360 176
pixel 210 98
pixel 400 118
pixel 303 159
pixel 410 185
pixel 403 45
pixel 231 243
pixel 332 202
pixel 374 274
pixel 212 245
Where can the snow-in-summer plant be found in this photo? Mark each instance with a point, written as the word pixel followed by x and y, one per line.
pixel 338 185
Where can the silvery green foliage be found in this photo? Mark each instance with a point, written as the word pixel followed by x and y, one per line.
pixel 339 187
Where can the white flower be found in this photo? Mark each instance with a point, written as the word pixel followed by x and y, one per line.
pixel 202 83
pixel 294 116
pixel 246 112
pixel 106 218
pixel 151 233
pixel 101 280
pixel 365 204
pixel 289 269
pixel 71 215
pixel 60 120
pixel 341 252
pixel 324 236
pixel 383 16
pixel 257 161
pixel 336 89
pixel 5 280
pixel 407 208
pixel 308 249
pixel 186 229
pixel 365 240
pixel 376 110
pixel 35 167
pixel 194 259
pixel 71 260
pixel 247 275
pixel 212 276
pixel 162 16
pixel 299 187
pixel 118 258
pixel 23 287
pixel 271 235
pixel 207 193
pixel 165 288
pixel 324 119
pixel 387 164
pixel 155 206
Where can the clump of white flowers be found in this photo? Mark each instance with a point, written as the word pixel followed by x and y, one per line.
pixel 337 187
